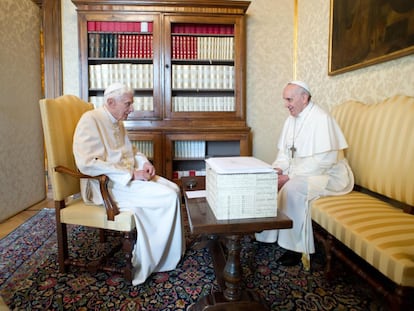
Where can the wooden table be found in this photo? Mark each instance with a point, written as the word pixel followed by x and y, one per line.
pixel 228 270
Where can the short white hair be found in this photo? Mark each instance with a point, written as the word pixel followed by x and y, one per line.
pixel 116 90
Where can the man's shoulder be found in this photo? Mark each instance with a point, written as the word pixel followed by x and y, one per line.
pixel 93 114
pixel 320 112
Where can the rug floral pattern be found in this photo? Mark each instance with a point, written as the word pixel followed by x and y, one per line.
pixel 30 280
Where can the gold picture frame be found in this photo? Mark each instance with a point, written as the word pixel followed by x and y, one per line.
pixel 364 33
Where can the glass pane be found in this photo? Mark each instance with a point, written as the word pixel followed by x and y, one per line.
pixel 144 146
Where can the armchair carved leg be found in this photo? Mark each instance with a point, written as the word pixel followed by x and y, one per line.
pixel 127 248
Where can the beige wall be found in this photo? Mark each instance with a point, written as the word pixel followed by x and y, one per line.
pixel 270 64
pixel 22 177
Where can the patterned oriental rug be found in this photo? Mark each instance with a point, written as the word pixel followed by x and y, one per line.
pixel 29 277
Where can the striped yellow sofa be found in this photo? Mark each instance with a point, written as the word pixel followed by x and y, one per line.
pixel 376 221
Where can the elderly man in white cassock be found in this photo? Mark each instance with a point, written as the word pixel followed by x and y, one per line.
pixel 310 164
pixel 101 146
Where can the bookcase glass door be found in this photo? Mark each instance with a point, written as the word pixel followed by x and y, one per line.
pixel 202 79
pixel 186 153
pixel 189 155
pixel 186 63
pixel 124 51
pixel 150 144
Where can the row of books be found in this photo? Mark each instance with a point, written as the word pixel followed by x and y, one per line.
pixel 203 104
pixel 212 48
pixel 179 174
pixel 144 146
pixel 190 28
pixel 112 45
pixel 112 26
pixel 216 77
pixel 141 103
pixel 137 76
pixel 189 149
pixel 147 26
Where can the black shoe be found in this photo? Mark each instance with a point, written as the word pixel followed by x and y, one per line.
pixel 290 258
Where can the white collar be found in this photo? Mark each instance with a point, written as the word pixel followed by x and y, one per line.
pixel 110 116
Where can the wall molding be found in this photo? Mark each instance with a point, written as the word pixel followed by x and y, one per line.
pixel 51 40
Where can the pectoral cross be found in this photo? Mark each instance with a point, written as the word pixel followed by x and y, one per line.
pixel 292 150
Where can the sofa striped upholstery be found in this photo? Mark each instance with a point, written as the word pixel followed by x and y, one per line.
pixel 381 154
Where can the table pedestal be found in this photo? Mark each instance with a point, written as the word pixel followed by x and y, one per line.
pixel 227 260
pixel 232 296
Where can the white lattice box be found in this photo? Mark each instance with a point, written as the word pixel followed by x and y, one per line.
pixel 241 187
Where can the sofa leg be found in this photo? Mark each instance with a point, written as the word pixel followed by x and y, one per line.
pixel 328 250
pixel 327 244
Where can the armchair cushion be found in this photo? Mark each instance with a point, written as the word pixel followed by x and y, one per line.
pixel 77 213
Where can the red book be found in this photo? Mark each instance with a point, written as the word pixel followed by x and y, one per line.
pixel 180 54
pixel 124 26
pixel 203 29
pixel 130 26
pixel 140 46
pixel 104 26
pixel 111 26
pixel 145 51
pixel 177 28
pixel 150 48
pixel 91 26
pixel 98 26
pixel 121 46
pixel 216 29
pixel 117 26
pixel 150 27
pixel 191 28
pixel 134 50
pixel 210 29
pixel 194 47
pixel 137 26
pixel 175 47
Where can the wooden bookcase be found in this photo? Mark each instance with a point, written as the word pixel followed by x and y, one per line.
pixel 186 62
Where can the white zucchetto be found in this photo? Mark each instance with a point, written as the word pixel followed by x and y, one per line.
pixel 302 84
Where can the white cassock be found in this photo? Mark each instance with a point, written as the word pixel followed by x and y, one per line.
pixel 317 168
pixel 101 146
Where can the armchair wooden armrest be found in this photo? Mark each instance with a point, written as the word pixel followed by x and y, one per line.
pixel 110 205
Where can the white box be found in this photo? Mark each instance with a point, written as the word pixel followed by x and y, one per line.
pixel 241 187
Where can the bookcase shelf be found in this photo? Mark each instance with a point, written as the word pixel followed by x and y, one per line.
pixel 185 61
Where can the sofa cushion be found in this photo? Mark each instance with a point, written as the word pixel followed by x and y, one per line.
pixel 381 234
pixel 381 145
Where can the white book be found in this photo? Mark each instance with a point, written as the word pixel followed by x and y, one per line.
pixel 92 76
pixel 194 70
pixel 104 76
pixel 238 165
pixel 186 76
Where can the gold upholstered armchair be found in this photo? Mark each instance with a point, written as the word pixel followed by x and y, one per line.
pixel 59 119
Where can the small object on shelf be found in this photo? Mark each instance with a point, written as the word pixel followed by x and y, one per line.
pixel 191 183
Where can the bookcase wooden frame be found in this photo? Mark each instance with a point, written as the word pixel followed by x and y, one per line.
pixel 159 124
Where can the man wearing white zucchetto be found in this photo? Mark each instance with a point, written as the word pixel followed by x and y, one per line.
pixel 101 146
pixel 310 164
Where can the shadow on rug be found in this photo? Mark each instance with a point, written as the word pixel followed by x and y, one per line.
pixel 29 277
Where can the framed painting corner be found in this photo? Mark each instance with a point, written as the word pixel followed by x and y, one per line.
pixel 363 33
